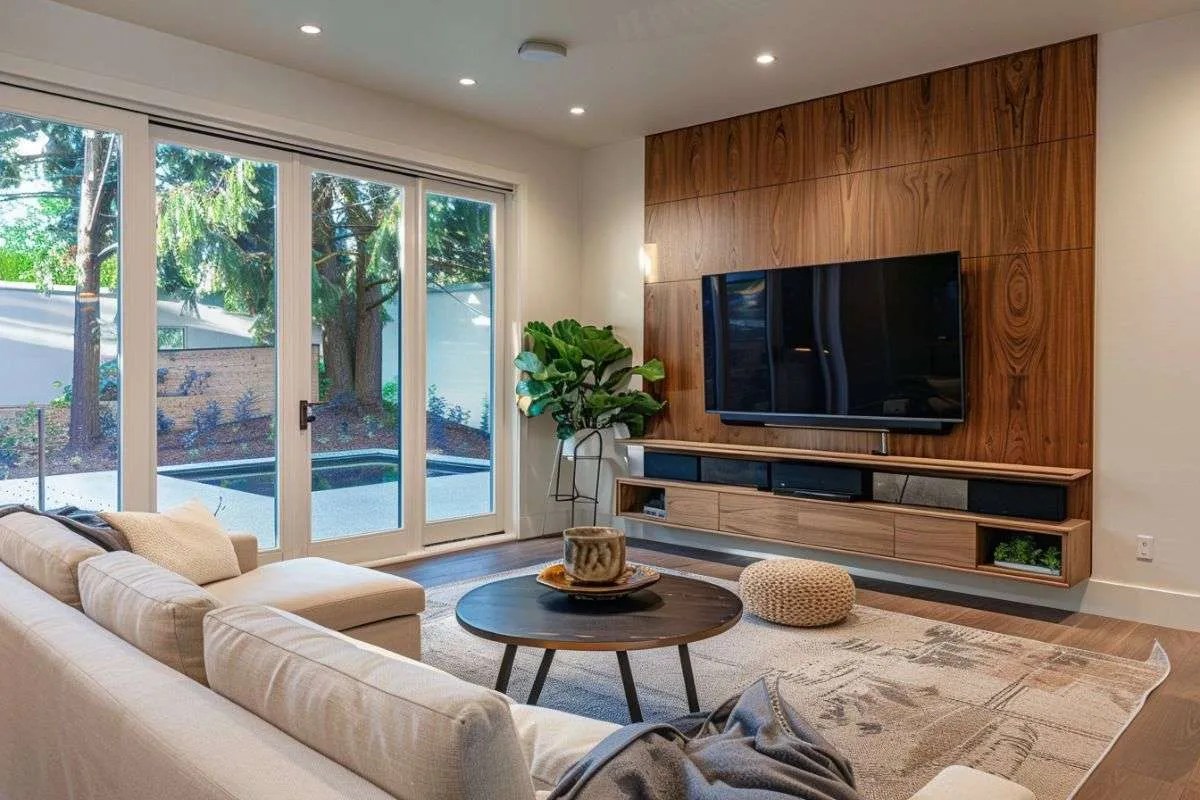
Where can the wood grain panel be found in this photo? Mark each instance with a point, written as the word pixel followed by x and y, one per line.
pixel 843 133
pixel 1034 96
pixel 938 541
pixel 1035 198
pixel 856 530
pixel 693 237
pixel 693 508
pixel 735 154
pixel 1031 199
pixel 926 208
pixel 782 153
pixel 1029 360
pixel 681 164
pixel 769 225
pixel 921 119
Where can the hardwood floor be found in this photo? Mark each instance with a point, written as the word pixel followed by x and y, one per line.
pixel 1158 757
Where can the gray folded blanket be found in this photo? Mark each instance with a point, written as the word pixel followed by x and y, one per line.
pixel 754 747
pixel 87 524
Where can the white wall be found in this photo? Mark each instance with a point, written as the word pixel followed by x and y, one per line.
pixel 1148 308
pixel 45 41
pixel 613 225
pixel 1147 466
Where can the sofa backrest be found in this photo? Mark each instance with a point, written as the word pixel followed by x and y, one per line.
pixel 413 730
pixel 46 553
pixel 86 716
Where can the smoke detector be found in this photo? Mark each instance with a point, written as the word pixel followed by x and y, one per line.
pixel 542 51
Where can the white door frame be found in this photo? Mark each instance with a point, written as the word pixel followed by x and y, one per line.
pixel 437 532
pixel 136 284
pixel 369 545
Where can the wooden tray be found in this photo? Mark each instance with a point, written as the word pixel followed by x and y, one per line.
pixel 635 578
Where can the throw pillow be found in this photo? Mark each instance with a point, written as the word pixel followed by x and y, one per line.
pixel 187 540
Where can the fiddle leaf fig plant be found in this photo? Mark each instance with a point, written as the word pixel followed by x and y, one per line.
pixel 579 375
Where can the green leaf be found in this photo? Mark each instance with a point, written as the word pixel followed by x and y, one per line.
pixel 653 370
pixel 528 362
pixel 533 388
pixel 540 406
pixel 567 330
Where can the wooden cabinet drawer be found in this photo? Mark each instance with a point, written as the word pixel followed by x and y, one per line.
pixel 695 508
pixel 937 541
pixel 817 524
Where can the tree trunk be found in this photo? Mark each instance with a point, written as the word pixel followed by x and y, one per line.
pixel 368 338
pixel 339 357
pixel 85 374
pixel 337 346
pixel 368 359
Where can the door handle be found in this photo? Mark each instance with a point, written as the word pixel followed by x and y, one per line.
pixel 306 415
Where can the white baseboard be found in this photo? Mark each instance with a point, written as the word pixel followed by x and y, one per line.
pixel 1095 596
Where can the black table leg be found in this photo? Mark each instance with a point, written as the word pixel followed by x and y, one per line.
pixel 539 680
pixel 689 679
pixel 506 665
pixel 635 708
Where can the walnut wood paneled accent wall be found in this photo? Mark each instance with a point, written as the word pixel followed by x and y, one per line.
pixel 994 159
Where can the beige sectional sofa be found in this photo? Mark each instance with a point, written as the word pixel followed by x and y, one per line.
pixel 367 604
pixel 295 711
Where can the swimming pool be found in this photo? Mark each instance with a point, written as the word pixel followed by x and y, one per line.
pixel 330 471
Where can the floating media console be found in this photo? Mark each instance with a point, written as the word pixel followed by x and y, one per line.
pixel 947 514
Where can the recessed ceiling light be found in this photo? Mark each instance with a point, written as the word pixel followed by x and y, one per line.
pixel 577 110
pixel 311 30
pixel 765 58
pixel 466 81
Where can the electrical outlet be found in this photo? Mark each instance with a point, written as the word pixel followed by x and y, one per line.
pixel 1145 548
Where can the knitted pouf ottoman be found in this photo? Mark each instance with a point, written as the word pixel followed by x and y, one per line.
pixel 798 592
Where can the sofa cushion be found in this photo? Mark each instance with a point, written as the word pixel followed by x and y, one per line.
pixel 152 608
pixel 554 740
pixel 415 732
pixel 186 539
pixel 45 553
pixel 338 596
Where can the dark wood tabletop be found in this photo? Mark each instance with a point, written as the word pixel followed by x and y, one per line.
pixel 674 611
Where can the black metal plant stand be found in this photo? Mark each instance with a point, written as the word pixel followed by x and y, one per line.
pixel 575 496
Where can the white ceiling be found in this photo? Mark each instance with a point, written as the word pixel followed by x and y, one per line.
pixel 638 66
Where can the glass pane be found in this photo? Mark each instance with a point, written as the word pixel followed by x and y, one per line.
pixel 358 244
pixel 216 336
pixel 460 260
pixel 59 264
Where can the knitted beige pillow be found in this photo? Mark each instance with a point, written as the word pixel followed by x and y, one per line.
pixel 186 539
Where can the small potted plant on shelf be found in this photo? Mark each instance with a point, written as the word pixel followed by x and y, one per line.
pixel 1021 553
pixel 579 375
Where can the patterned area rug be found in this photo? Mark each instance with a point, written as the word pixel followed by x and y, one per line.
pixel 902 697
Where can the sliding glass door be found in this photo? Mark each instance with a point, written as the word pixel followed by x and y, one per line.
pixel 215 369
pixel 359 243
pixel 461 247
pixel 65 173
pixel 308 347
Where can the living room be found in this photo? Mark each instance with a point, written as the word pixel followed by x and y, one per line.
pixel 678 400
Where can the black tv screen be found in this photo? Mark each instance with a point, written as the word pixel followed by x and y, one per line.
pixel 870 344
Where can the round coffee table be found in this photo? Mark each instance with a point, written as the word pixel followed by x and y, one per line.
pixel 520 612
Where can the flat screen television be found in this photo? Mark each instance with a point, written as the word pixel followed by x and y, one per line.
pixel 864 344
